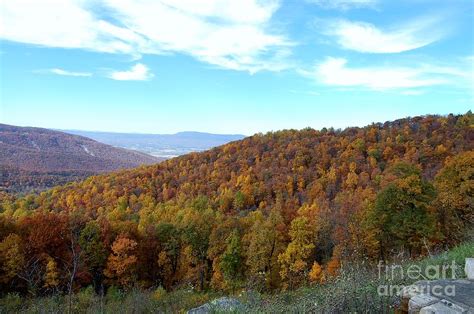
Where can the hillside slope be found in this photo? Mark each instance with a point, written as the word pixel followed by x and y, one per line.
pixel 271 211
pixel 50 157
pixel 295 164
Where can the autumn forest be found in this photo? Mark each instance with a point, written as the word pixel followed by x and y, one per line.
pixel 270 212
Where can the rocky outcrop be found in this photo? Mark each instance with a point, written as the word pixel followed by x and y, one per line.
pixel 429 304
pixel 219 305
pixel 441 296
pixel 469 268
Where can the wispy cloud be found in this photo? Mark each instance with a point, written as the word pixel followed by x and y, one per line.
pixel 139 72
pixel 68 73
pixel 64 24
pixel 226 33
pixel 336 72
pixel 366 37
pixel 344 4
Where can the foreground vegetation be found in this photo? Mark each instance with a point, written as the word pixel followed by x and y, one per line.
pixel 355 289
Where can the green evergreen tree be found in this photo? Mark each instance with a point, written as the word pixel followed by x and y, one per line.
pixel 401 211
pixel 232 259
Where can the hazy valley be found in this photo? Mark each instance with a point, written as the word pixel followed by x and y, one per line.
pixel 161 145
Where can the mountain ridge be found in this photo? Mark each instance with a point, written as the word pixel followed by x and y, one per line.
pixel 321 138
pixel 152 134
pixel 161 145
pixel 32 151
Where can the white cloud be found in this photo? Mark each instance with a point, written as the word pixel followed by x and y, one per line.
pixel 69 73
pixel 344 4
pixel 335 72
pixel 60 23
pixel 227 33
pixel 139 72
pixel 365 37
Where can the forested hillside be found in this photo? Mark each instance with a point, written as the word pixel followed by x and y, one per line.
pixel 35 158
pixel 271 211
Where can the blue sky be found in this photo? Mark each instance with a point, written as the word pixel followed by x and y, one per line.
pixel 226 66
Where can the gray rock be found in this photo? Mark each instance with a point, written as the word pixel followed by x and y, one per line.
pixel 456 291
pixel 411 291
pixel 457 296
pixel 219 305
pixel 418 302
pixel 443 307
pixel 469 268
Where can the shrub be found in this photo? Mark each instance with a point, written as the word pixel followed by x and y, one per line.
pixel 115 294
pixel 11 303
pixel 159 293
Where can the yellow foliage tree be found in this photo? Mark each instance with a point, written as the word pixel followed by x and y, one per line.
pixel 332 267
pixel 293 260
pixel 454 203
pixel 11 257
pixel 51 277
pixel 316 273
pixel 122 261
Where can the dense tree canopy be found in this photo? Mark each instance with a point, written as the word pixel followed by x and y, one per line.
pixel 270 211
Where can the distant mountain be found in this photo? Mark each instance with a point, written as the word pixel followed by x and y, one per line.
pixel 161 145
pixel 35 158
